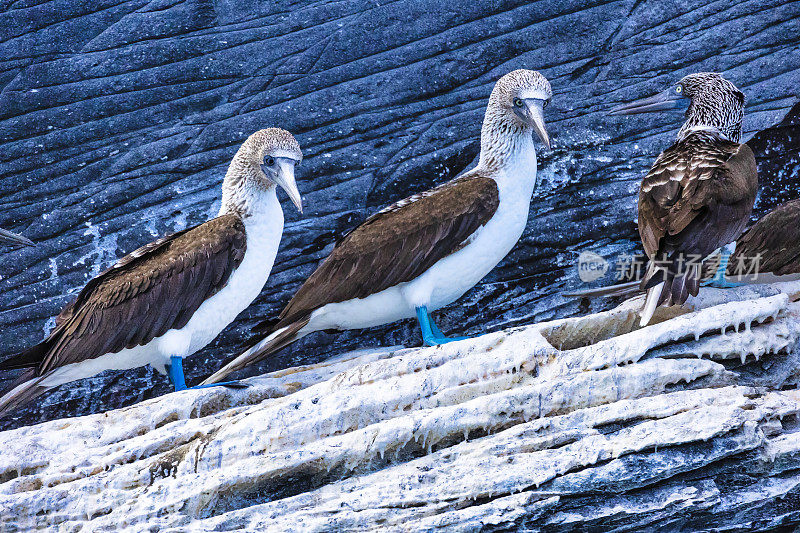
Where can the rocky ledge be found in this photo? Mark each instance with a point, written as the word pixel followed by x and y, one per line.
pixel 585 423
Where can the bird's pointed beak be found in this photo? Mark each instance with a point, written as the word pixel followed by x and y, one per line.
pixel 7 236
pixel 285 179
pixel 536 112
pixel 668 99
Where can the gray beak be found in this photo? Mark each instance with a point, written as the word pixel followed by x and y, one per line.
pixel 285 179
pixel 536 118
pixel 7 236
pixel 668 99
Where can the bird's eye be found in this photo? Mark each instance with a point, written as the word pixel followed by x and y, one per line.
pixel 270 161
pixel 545 103
pixel 518 102
pixel 679 89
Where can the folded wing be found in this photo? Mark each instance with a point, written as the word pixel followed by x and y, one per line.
pixel 148 292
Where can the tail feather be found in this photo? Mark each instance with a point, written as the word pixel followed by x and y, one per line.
pixel 654 297
pixel 680 288
pixel 278 339
pixel 665 287
pixel 24 389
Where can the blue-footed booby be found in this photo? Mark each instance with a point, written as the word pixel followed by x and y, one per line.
pixel 700 191
pixel 422 253
pixel 170 298
pixel 13 238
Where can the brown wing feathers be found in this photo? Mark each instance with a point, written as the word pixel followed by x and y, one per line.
pixel 696 198
pixel 144 295
pixel 414 235
pixel 775 239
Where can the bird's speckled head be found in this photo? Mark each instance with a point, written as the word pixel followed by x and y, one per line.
pixel 267 158
pixel 520 84
pixel 515 109
pixel 714 102
pixel 272 142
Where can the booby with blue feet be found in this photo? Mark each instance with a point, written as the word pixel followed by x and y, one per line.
pixel 422 253
pixel 699 193
pixel 170 298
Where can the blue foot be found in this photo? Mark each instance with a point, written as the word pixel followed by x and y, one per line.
pixel 431 334
pixel 434 328
pixel 719 280
pixel 722 284
pixel 175 372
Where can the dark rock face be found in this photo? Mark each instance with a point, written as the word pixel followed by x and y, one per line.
pixel 117 121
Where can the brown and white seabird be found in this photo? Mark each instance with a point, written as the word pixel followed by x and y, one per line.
pixel 170 298
pixel 699 193
pixel 424 252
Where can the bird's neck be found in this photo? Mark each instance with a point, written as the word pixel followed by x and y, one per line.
pixel 249 196
pixel 725 124
pixel 508 153
pixel 686 131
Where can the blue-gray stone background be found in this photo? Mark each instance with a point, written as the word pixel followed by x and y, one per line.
pixel 118 119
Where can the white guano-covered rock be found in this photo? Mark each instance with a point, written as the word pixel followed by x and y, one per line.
pixel 590 422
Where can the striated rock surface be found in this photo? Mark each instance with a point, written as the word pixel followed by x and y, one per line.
pixel 117 120
pixel 583 423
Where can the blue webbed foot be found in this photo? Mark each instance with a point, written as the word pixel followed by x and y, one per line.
pixel 431 334
pixel 722 284
pixel 175 372
pixel 719 281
